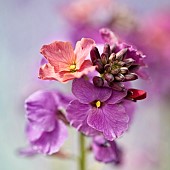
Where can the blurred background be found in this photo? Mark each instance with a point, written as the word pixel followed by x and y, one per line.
pixel 25 25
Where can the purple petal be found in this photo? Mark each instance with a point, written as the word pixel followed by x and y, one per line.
pixel 116 97
pixel 50 142
pixel 41 99
pixel 42 119
pixel 32 132
pixel 77 115
pixel 106 151
pixel 132 52
pixel 41 108
pixel 110 119
pixel 108 36
pixel 27 152
pixel 87 92
pixel 143 73
pixel 62 99
pixel 130 108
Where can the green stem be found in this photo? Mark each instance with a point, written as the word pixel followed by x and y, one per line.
pixel 82 158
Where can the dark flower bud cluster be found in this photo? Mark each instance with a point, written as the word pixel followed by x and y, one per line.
pixel 114 67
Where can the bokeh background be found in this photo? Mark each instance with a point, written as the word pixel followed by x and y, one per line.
pixel 25 25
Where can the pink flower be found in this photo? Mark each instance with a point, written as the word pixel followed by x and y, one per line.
pixel 64 62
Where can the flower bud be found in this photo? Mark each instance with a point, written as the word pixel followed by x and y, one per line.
pixel 104 58
pixel 94 54
pixel 106 49
pixel 100 66
pixel 121 54
pixel 124 70
pixel 121 63
pixel 129 62
pixel 109 77
pixel 120 77
pixel 107 68
pixel 98 81
pixel 135 94
pixel 116 86
pixel 112 57
pixel 131 77
pixel 115 71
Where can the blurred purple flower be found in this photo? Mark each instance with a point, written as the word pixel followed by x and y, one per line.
pixel 45 128
pixel 98 110
pixel 154 40
pixel 106 151
pixel 86 19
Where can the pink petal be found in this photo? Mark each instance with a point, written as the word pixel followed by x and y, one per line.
pixel 85 68
pixel 47 72
pixel 82 50
pixel 59 54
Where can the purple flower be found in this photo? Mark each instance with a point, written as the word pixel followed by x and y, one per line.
pixel 133 58
pixel 155 41
pixel 98 110
pixel 106 151
pixel 45 130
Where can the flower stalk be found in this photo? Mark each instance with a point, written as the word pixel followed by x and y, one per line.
pixel 82 158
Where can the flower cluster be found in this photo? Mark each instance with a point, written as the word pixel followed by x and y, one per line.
pixel 101 106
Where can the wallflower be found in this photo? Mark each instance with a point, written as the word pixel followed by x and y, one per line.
pixel 98 110
pixel 64 62
pixel 126 53
pixel 106 151
pixel 45 129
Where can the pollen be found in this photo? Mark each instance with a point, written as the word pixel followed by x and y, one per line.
pixel 72 67
pixel 98 104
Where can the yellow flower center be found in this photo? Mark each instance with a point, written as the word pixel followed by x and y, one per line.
pixel 98 104
pixel 72 67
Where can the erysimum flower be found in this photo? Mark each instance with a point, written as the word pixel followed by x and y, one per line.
pixel 64 62
pixel 98 109
pixel 129 56
pixel 106 151
pixel 45 129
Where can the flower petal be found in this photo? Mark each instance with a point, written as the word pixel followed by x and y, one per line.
pixel 87 92
pixel 41 119
pixel 77 115
pixel 51 142
pixel 59 54
pixel 130 108
pixel 47 72
pixel 82 50
pixel 28 152
pixel 41 108
pixel 106 151
pixel 110 119
pixel 32 132
pixel 116 96
pixel 41 99
pixel 85 68
pixel 108 36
